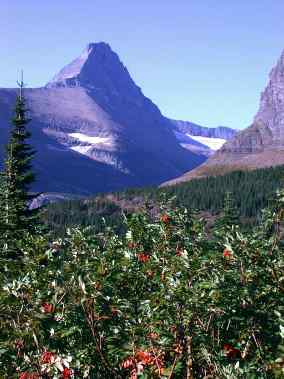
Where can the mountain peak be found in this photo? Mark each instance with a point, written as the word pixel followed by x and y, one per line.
pixel 261 144
pixel 271 110
pixel 102 46
pixel 277 72
pixel 70 74
pixel 97 68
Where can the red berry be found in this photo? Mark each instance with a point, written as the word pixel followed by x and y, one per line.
pixel 227 253
pixel 132 245
pixel 231 352
pixel 153 336
pixel 19 344
pixel 48 308
pixel 134 374
pixel 179 252
pixel 67 373
pixel 114 311
pixel 128 363
pixel 144 357
pixel 47 357
pixel 165 218
pixel 27 375
pixel 142 257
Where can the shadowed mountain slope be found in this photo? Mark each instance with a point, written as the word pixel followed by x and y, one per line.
pixel 95 131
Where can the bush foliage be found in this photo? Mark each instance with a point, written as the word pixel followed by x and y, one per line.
pixel 162 300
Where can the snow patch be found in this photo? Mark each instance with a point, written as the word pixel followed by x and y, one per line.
pixel 81 149
pixel 92 140
pixel 212 143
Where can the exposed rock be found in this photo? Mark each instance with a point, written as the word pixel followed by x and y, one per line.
pixel 48 198
pixel 200 139
pixel 95 131
pixel 188 127
pixel 260 145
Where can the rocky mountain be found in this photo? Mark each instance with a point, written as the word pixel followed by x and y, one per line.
pixel 187 127
pixel 200 139
pixel 261 144
pixel 95 131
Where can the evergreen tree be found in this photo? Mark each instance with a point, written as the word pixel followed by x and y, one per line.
pixel 230 215
pixel 15 216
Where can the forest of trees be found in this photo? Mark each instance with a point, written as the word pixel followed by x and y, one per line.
pixel 250 190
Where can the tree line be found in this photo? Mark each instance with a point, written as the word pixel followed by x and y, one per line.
pixel 251 191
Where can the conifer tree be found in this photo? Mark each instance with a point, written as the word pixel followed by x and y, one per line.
pixel 15 216
pixel 230 215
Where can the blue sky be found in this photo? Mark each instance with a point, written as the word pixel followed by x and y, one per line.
pixel 201 60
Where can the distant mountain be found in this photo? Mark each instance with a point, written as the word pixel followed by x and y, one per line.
pixel 187 127
pixel 261 144
pixel 201 139
pixel 95 131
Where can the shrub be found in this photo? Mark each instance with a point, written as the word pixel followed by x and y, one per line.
pixel 161 301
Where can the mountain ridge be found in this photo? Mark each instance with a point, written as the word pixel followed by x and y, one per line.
pixel 95 131
pixel 201 139
pixel 258 146
pixel 194 129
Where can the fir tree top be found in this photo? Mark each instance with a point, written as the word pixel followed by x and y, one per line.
pixel 15 216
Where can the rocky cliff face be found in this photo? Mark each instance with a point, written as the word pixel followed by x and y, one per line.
pixel 260 145
pixel 95 131
pixel 271 110
pixel 193 129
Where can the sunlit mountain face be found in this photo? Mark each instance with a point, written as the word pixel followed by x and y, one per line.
pixel 261 144
pixel 95 131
